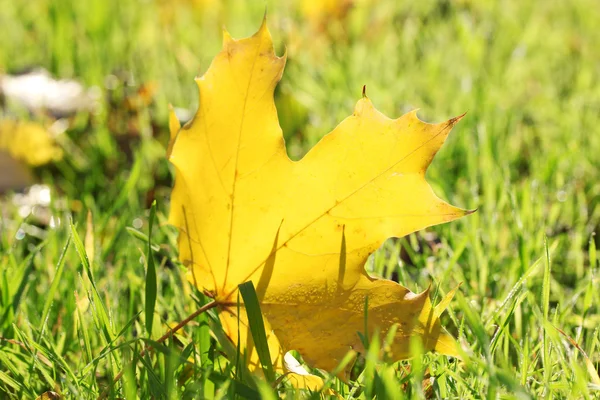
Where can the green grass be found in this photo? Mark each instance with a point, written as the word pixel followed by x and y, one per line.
pixel 75 295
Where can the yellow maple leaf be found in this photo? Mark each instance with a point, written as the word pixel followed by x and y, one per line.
pixel 319 11
pixel 29 142
pixel 302 231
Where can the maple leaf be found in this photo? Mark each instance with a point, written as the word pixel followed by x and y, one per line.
pixel 302 231
pixel 24 144
pixel 29 142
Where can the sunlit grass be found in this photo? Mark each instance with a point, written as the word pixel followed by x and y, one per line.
pixel 72 297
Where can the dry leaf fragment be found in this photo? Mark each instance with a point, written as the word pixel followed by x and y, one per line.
pixel 13 174
pixel 49 395
pixel 302 231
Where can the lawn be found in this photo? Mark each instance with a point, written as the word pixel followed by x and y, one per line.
pixel 74 252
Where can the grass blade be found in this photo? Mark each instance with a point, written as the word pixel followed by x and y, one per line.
pixel 257 328
pixel 54 286
pixel 100 307
pixel 546 307
pixel 151 284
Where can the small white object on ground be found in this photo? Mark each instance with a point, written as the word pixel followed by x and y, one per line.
pixel 38 91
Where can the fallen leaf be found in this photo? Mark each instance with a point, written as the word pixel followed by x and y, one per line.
pixel 171 9
pixel 320 13
pixel 28 142
pixel 23 145
pixel 302 231
pixel 49 395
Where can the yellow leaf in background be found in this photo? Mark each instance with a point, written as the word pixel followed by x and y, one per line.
pixel 29 142
pixel 302 231
pixel 169 9
pixel 318 12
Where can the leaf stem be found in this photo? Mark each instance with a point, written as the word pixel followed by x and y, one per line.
pixel 164 337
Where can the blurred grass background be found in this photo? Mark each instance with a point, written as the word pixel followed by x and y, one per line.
pixel 526 155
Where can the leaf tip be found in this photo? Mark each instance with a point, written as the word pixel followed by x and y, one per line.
pixel 174 127
pixel 363 106
pixel 227 39
pixel 413 114
pixel 469 212
pixel 445 302
pixel 264 20
pixel 285 54
pixel 454 121
pixel 263 30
